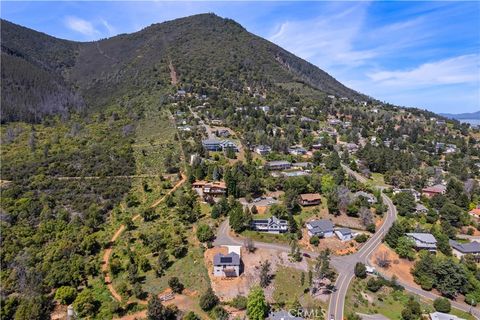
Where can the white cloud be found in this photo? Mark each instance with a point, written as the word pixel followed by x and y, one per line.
pixel 460 69
pixel 111 30
pixel 81 26
pixel 327 39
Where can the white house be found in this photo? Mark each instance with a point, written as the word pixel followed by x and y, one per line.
pixel 344 234
pixel 321 228
pixel 226 265
pixel 443 316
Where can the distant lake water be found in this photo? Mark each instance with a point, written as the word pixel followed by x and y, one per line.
pixel 475 122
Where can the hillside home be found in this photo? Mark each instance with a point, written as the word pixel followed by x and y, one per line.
pixel 309 199
pixel 421 209
pixel 432 191
pixel 423 241
pixel 344 234
pixel 297 151
pixel 212 145
pixel 278 165
pixel 413 192
pixel 461 249
pixel 264 108
pixel 227 144
pixel 475 213
pixel 214 189
pixel 226 265
pixel 270 225
pixel 262 150
pixel 370 197
pixel 222 133
pixel 321 228
pixel 443 316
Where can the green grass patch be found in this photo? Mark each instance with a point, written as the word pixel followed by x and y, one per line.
pixel 288 285
pixel 283 238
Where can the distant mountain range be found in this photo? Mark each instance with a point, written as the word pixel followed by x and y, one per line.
pixel 462 116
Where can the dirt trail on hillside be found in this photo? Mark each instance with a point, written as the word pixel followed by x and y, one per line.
pixel 108 251
pixel 173 73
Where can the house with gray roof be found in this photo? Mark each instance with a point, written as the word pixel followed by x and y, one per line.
pixel 226 265
pixel 461 249
pixel 443 316
pixel 278 165
pixel 423 241
pixel 421 209
pixel 282 315
pixel 270 225
pixel 370 197
pixel 321 228
pixel 344 234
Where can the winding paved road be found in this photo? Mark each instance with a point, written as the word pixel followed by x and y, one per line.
pixel 345 264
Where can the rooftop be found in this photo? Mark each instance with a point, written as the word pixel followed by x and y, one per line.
pixel 470 247
pixel 443 316
pixel 310 196
pixel 322 225
pixel 423 237
pixel 231 259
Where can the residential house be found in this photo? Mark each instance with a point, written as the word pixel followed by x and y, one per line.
pixel 270 225
pixel 461 249
pixel 370 197
pixel 344 234
pixel 475 213
pixel 226 265
pixel 423 241
pixel 278 165
pixel 297 151
pixel 421 209
pixel 222 133
pixel 309 199
pixel 262 150
pixel 227 144
pixel 321 228
pixel 429 192
pixel 414 193
pixel 306 119
pixel 282 315
pixel 212 145
pixel 214 189
pixel 264 108
pixel 352 147
pixel 443 316
pixel 334 122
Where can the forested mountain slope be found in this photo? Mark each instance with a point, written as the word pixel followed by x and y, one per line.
pixel 43 75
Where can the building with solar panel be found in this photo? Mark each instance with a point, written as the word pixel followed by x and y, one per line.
pixel 226 265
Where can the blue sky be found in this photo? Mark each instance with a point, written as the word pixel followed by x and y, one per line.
pixel 421 54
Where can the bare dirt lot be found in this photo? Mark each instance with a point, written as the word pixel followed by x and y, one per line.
pixel 227 289
pixel 399 267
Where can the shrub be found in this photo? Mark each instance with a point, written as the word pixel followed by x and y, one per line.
pixel 442 305
pixel 374 285
pixel 65 295
pixel 239 302
pixel 360 270
pixel 361 238
pixel 208 300
pixel 371 228
pixel 175 285
pixel 314 240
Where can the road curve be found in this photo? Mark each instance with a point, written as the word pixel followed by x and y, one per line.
pixel 346 272
pixel 343 264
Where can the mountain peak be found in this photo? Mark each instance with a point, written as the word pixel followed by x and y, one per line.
pixel 202 49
